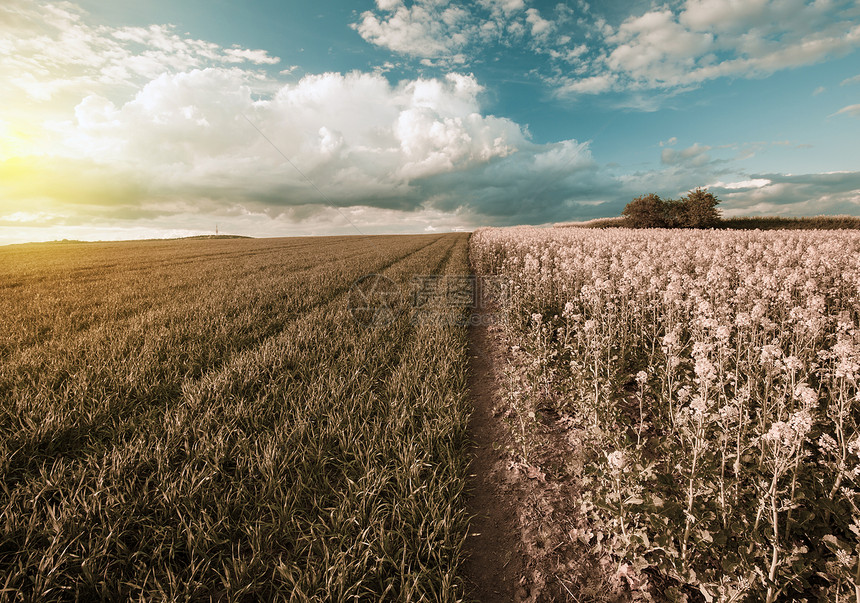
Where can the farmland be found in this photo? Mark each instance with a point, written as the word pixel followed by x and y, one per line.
pixel 711 379
pixel 203 419
pixel 235 419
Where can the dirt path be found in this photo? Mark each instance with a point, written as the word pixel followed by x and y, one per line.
pixel 494 563
pixel 523 544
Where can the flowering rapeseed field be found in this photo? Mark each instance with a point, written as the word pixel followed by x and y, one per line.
pixel 714 376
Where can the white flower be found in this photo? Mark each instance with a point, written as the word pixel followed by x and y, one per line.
pixel 854 446
pixel 806 395
pixel 743 319
pixel 801 422
pixel 705 370
pixel 770 353
pixel 779 434
pixel 699 405
pixel 789 433
pixel 616 460
pixel 728 412
pixel 845 558
pixel 641 377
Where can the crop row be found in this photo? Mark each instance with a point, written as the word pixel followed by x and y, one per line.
pixel 205 420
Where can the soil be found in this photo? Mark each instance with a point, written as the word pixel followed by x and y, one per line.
pixel 523 543
pixel 495 559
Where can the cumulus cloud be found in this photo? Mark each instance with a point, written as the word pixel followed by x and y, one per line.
pixel 668 48
pixel 506 7
pixel 540 27
pixel 154 126
pixel 835 193
pixel 420 145
pixel 440 32
pixel 50 48
pixel 428 29
pixel 701 40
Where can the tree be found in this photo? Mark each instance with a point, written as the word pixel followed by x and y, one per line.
pixel 697 210
pixel 646 211
pixel 676 213
pixel 700 209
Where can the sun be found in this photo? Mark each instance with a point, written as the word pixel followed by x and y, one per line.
pixel 16 141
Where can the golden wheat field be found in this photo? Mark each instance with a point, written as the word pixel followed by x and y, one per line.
pixel 205 420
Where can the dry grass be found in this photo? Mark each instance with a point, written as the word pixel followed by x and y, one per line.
pixel 618 221
pixel 202 420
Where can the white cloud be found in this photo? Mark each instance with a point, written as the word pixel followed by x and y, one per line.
pixel 388 4
pixel 426 29
pixel 707 39
pixel 506 7
pixel 742 184
pixel 695 155
pixel 442 33
pixel 540 27
pixel 147 124
pixel 594 84
pixel 49 48
pixel 25 216
pixel 724 15
pixel 419 145
pixel 796 195
pixel 852 110
pixel 257 57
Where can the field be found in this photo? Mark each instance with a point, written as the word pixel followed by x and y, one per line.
pixel 205 420
pixel 710 381
pixel 661 415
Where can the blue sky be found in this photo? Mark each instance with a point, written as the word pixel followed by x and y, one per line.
pixel 128 120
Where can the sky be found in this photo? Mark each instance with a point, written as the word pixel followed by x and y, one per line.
pixel 126 120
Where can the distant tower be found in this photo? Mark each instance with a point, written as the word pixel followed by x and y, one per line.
pixel 216 229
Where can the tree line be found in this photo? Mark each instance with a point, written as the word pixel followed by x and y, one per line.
pixel 698 209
